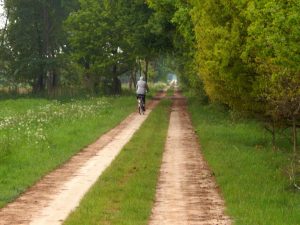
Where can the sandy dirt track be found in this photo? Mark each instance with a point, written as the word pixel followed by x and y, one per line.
pixel 187 193
pixel 51 199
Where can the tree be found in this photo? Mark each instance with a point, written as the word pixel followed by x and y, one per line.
pixel 109 38
pixel 37 40
pixel 221 30
pixel 273 49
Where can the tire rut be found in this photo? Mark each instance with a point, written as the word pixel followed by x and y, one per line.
pixel 187 193
pixel 36 203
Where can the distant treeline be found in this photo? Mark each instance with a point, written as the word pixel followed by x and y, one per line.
pixel 49 44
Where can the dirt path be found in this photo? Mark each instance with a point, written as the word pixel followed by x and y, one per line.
pixel 50 200
pixel 187 192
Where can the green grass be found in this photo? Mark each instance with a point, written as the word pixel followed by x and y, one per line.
pixel 252 177
pixel 125 192
pixel 12 106
pixel 37 135
pixel 170 91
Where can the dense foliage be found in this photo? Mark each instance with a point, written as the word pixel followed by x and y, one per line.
pixel 35 41
pixel 108 38
pixel 90 43
pixel 244 53
pixel 248 56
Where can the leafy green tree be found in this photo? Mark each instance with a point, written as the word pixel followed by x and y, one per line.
pixel 37 40
pixel 112 37
pixel 221 30
pixel 273 50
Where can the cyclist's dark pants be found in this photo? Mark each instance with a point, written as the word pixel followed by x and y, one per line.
pixel 143 97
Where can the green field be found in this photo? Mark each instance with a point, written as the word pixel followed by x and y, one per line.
pixel 252 176
pixel 37 135
pixel 125 192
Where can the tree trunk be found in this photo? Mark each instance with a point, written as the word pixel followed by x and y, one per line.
pixel 54 79
pixel 295 160
pixel 46 54
pixel 273 134
pixel 132 78
pixel 39 84
pixel 116 86
pixel 53 76
pixel 140 67
pixel 130 81
pixel 146 69
pixel 294 136
pixel 270 127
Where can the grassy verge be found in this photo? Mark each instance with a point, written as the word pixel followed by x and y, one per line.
pixel 125 192
pixel 170 91
pixel 37 135
pixel 251 175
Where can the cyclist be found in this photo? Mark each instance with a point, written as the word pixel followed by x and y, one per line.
pixel 141 90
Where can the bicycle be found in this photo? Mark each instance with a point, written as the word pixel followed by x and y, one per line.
pixel 141 105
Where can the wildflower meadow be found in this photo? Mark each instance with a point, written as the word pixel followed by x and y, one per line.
pixel 37 135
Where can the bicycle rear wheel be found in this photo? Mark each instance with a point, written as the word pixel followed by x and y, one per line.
pixel 141 105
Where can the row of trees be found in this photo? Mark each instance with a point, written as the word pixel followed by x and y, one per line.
pixel 113 37
pixel 49 43
pixel 244 54
pixel 33 42
pixel 248 56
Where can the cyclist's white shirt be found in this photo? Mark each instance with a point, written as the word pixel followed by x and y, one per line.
pixel 141 87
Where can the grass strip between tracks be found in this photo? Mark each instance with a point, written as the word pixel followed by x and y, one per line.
pixel 125 192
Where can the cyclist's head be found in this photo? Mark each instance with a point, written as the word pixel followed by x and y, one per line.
pixel 141 78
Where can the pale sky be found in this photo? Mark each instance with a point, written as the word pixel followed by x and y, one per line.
pixel 2 20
